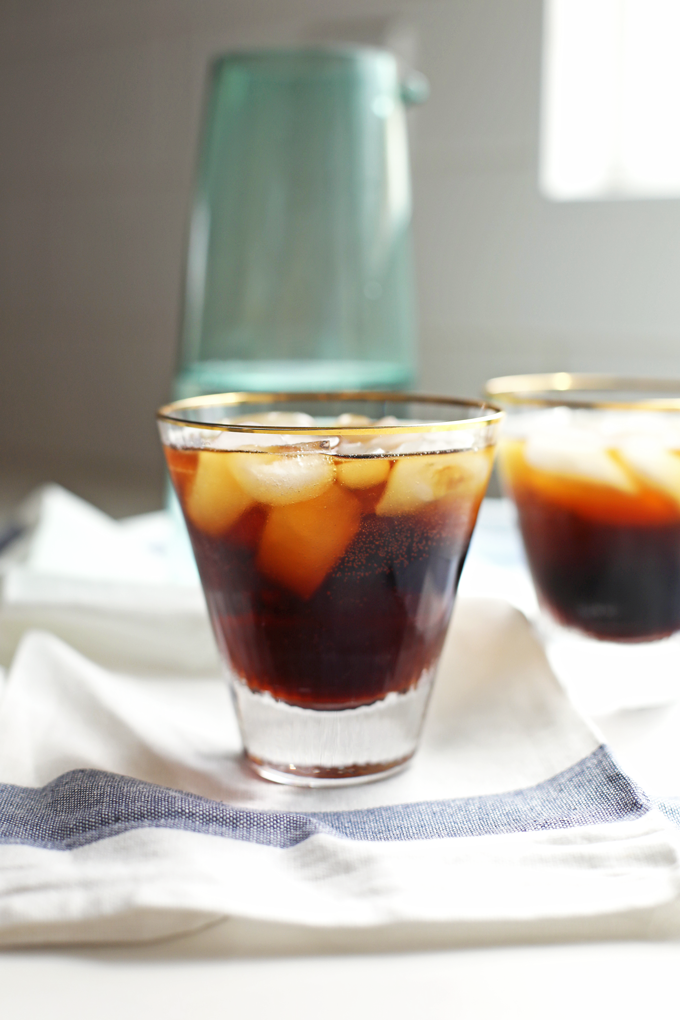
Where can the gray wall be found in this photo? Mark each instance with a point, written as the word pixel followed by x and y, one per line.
pixel 100 106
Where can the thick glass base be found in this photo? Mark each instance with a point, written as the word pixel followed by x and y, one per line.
pixel 309 747
pixel 292 775
pixel 602 677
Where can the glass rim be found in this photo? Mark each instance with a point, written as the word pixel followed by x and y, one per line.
pixel 536 389
pixel 167 413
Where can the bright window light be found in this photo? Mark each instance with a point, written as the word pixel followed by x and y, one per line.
pixel 611 99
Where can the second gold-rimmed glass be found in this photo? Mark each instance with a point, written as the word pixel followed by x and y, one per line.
pixel 330 532
pixel 592 464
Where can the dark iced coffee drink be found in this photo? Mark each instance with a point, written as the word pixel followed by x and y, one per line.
pixel 598 500
pixel 329 556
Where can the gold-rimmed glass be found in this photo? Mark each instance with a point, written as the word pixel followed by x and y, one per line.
pixel 592 463
pixel 329 532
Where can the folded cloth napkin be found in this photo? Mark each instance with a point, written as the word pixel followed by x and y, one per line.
pixel 125 593
pixel 127 812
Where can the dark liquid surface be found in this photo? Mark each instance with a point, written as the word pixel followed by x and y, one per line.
pixel 614 581
pixel 374 625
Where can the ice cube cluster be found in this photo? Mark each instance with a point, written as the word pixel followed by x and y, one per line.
pixel 620 449
pixel 314 500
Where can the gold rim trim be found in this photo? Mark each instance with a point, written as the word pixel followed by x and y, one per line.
pixel 536 391
pixel 168 413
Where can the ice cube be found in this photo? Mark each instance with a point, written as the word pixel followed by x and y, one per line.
pixel 265 441
pixel 435 442
pixel 291 419
pixel 352 420
pixel 279 479
pixel 418 480
pixel 303 541
pixel 654 464
pixel 233 441
pixel 215 499
pixel 394 444
pixel 369 445
pixel 579 456
pixel 362 473
pixel 238 440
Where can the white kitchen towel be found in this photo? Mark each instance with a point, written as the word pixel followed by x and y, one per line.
pixel 127 811
pixel 124 593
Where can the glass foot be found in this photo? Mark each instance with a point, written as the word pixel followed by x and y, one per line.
pixel 292 775
pixel 311 747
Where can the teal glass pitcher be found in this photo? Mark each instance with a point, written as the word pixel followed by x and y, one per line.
pixel 299 273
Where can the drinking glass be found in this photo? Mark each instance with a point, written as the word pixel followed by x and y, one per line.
pixel 592 464
pixel 329 532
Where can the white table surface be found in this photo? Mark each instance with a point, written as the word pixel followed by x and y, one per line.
pixel 230 972
pixel 247 969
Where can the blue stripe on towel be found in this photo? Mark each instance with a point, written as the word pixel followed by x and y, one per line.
pixel 670 806
pixel 84 806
